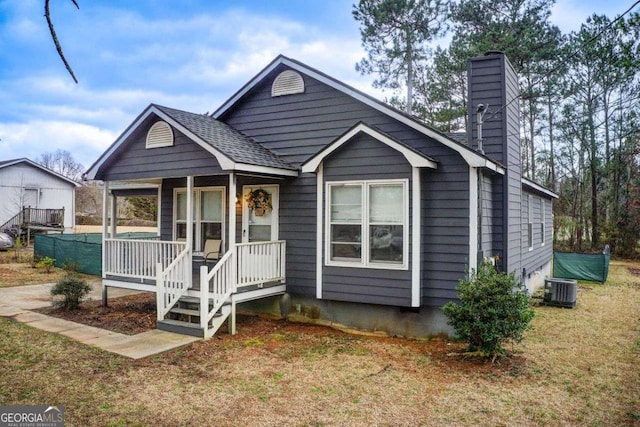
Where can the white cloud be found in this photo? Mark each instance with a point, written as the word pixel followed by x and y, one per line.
pixel 125 61
pixel 38 137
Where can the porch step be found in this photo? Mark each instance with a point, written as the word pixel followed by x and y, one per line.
pixel 180 327
pixel 185 311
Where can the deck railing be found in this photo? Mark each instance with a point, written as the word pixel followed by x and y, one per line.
pixel 29 216
pixel 173 282
pixel 137 258
pixel 260 262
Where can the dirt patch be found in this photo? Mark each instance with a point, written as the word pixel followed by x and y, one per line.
pixel 129 315
pixel 135 314
pixel 634 271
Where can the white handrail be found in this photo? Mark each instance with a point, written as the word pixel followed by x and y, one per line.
pixel 173 282
pixel 261 262
pixel 137 258
pixel 216 286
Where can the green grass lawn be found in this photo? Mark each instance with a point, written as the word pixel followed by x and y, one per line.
pixel 575 367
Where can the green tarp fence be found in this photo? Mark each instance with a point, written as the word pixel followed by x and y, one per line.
pixel 591 267
pixel 83 250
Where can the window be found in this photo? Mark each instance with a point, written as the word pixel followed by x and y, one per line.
pixel 367 224
pixel 530 221
pixel 208 215
pixel 543 220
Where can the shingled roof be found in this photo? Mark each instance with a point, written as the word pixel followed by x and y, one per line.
pixel 222 137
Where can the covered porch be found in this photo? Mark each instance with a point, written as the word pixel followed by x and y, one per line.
pixel 194 296
pixel 202 172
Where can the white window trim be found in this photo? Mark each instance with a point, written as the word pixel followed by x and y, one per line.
pixel 197 220
pixel 364 241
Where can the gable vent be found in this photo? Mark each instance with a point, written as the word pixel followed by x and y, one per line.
pixel 287 83
pixel 160 135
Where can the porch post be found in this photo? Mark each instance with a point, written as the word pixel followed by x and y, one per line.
pixel 232 229
pixel 114 215
pixel 105 220
pixel 190 212
pixel 159 210
pixel 232 211
pixel 190 208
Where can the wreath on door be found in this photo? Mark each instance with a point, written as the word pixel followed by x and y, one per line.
pixel 259 201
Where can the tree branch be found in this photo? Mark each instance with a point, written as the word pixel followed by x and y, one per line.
pixel 52 31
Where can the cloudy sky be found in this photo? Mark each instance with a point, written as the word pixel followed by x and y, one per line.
pixel 187 54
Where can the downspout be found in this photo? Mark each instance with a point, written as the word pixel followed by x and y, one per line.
pixel 480 112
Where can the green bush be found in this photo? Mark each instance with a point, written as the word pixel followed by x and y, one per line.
pixel 73 289
pixel 47 263
pixel 493 308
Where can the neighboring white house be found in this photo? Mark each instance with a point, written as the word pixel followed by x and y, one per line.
pixel 25 183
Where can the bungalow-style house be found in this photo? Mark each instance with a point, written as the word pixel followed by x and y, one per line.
pixel 35 197
pixel 326 203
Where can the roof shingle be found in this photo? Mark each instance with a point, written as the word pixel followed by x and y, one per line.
pixel 222 137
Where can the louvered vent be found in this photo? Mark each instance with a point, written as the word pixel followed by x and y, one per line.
pixel 160 135
pixel 287 83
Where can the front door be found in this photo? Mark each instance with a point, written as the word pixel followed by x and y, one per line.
pixel 260 213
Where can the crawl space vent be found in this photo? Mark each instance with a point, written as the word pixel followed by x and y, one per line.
pixel 287 83
pixel 160 135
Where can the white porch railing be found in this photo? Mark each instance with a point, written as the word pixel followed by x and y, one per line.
pixel 216 286
pixel 170 264
pixel 138 258
pixel 173 282
pixel 260 262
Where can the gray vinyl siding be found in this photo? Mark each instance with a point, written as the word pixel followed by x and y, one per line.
pixel 445 231
pixel 492 82
pixel 295 127
pixel 498 221
pixel 134 161
pixel 487 214
pixel 363 158
pixel 536 258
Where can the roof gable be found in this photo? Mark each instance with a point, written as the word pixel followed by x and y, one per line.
pixel 232 150
pixel 472 157
pixel 415 158
pixel 9 163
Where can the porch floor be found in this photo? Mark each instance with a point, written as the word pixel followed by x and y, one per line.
pixel 195 280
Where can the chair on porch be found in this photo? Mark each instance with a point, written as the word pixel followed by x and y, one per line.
pixel 211 251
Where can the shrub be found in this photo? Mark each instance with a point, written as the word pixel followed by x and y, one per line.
pixel 71 267
pixel 73 289
pixel 46 263
pixel 494 308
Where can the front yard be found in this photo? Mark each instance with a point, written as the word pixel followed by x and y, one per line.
pixel 575 367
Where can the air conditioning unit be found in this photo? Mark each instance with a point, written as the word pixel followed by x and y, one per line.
pixel 560 292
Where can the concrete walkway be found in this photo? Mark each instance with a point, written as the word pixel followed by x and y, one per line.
pixel 17 302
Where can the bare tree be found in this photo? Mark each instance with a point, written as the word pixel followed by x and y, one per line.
pixel 62 161
pixel 54 37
